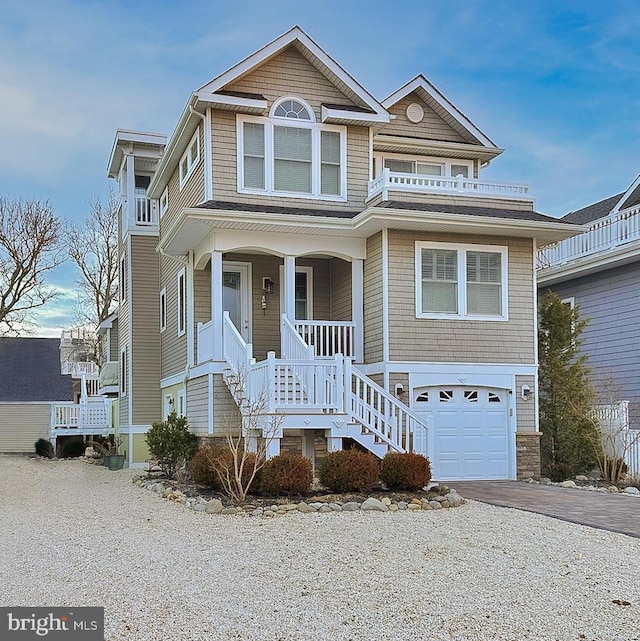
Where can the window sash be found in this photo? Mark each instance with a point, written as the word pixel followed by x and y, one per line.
pixel 299 158
pixel 460 281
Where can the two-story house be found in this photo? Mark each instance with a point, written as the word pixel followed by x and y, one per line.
pixel 599 271
pixel 297 238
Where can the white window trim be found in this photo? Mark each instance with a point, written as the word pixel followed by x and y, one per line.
pixel 182 304
pixel 429 160
pixel 192 163
pixel 123 371
pixel 164 201
pixel 163 309
pixel 123 278
pixel 181 403
pixel 462 281
pixel 299 270
pixel 316 128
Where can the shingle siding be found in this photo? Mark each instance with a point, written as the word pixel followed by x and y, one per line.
pixel 464 341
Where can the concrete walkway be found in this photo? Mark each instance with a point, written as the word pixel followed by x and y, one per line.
pixel 613 512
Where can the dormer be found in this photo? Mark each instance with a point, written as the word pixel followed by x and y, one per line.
pixel 430 146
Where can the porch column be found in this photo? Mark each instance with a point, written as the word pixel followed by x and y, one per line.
pixel 216 304
pixel 131 190
pixel 334 443
pixel 357 307
pixel 289 287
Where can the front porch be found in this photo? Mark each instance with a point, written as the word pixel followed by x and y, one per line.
pixel 319 296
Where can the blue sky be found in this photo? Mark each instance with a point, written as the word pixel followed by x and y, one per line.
pixel 557 84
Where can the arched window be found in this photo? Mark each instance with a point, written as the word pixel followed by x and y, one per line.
pixel 290 154
pixel 291 108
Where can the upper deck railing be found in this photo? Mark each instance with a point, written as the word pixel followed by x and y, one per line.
pixel 424 184
pixel 603 235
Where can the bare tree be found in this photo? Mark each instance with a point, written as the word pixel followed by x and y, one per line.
pixel 93 247
pixel 30 235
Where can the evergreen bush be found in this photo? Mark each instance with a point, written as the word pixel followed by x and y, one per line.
pixel 171 443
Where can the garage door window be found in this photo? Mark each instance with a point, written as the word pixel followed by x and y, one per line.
pixel 461 281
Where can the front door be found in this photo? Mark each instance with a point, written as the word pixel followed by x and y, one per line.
pixel 236 295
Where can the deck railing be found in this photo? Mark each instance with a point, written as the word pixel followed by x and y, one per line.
pixel 292 344
pixel 81 415
pixel 77 369
pixel 603 235
pixel 420 183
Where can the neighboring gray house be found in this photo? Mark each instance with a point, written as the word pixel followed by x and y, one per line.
pixel 30 381
pixel 599 271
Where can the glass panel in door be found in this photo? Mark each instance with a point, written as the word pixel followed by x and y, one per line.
pixel 235 297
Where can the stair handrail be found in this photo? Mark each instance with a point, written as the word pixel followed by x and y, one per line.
pixel 401 421
pixel 293 346
pixel 237 352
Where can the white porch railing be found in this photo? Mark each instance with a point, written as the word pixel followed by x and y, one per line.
pixel 204 351
pixel 603 235
pixel 424 184
pixel 76 369
pixel 385 416
pixel 328 337
pixel 632 452
pixel 237 352
pixel 289 385
pixel 144 212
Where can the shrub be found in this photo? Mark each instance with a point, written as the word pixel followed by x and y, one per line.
pixel 72 447
pixel 171 443
pixel 44 448
pixel 612 468
pixel 406 471
pixel 203 467
pixel 287 474
pixel 349 471
pixel 558 472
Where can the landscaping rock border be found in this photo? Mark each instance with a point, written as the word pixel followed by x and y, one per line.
pixel 446 498
pixel 585 483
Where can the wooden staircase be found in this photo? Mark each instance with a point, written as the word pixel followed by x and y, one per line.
pixel 328 392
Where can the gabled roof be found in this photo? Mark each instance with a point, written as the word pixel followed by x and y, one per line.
pixel 593 212
pixel 321 60
pixel 30 371
pixel 444 108
pixel 630 198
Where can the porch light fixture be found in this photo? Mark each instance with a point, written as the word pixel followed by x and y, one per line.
pixel 525 392
pixel 399 389
pixel 267 285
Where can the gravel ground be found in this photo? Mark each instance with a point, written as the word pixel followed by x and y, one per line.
pixel 76 534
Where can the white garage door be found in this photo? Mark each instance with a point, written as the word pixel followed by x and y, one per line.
pixel 469 431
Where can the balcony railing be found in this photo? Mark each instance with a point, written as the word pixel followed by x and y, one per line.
pixel 145 212
pixel 602 236
pixel 423 184
pixel 77 369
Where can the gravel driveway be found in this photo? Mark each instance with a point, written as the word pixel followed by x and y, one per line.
pixel 75 534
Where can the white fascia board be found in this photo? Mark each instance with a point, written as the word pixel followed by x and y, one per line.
pixel 215 99
pixel 479 224
pixel 184 129
pixel 296 34
pixel 626 195
pixel 420 82
pixel 107 323
pixel 382 140
pixel 125 136
pixel 355 117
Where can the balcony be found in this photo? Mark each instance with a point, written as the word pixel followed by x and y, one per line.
pixel 77 369
pixel 425 184
pixel 606 239
pixel 143 212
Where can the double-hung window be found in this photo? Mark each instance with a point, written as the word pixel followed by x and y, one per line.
pixel 289 154
pixel 461 281
pixel 190 158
